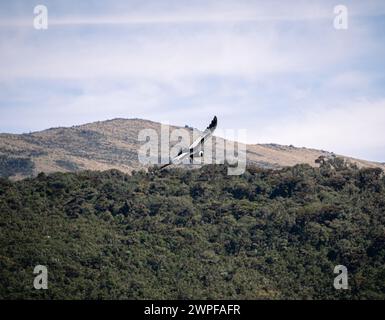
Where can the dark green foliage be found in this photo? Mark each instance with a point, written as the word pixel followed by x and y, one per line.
pixel 181 234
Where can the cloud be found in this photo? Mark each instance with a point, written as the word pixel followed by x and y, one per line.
pixel 349 80
pixel 355 128
pixel 182 12
pixel 168 53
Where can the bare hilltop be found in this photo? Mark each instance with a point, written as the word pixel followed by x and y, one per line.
pixel 113 144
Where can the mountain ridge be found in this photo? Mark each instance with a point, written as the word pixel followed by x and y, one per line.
pixel 113 144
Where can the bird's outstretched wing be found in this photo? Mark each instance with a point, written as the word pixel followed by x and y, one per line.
pixel 204 136
pixel 176 160
pixel 198 143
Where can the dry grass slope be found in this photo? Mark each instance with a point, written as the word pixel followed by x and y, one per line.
pixel 113 144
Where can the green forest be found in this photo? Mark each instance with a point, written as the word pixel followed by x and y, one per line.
pixel 195 234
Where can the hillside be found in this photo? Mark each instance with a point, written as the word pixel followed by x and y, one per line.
pixel 195 234
pixel 113 144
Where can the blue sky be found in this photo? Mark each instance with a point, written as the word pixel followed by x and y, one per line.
pixel 276 68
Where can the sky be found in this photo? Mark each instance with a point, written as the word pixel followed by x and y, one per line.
pixel 279 69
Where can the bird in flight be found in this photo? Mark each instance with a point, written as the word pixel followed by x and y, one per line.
pixel 196 148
